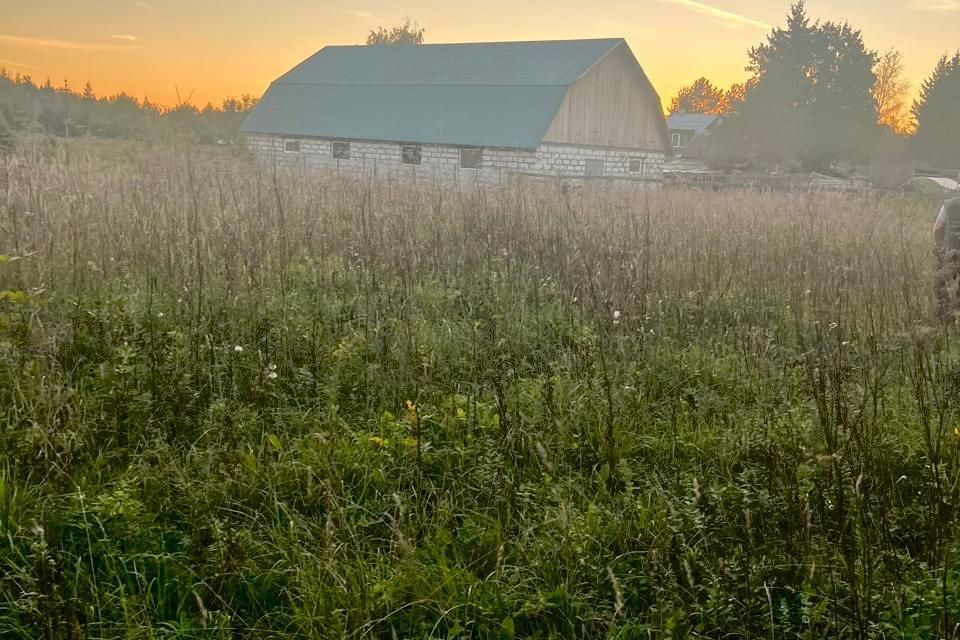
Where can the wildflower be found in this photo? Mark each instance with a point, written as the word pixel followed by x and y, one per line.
pixel 238 349
pixel 616 317
pixel 378 442
pixel 544 457
pixel 617 592
pixel 272 375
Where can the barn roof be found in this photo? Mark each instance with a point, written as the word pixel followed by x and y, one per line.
pixel 698 122
pixel 494 94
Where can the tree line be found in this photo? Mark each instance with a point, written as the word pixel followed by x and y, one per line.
pixel 30 107
pixel 816 95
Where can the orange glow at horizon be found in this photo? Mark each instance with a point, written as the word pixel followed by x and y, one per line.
pixel 203 51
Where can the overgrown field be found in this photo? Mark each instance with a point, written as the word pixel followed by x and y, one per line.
pixel 235 404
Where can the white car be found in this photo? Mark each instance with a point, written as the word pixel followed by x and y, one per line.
pixel 931 184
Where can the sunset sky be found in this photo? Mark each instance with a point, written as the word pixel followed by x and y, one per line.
pixel 209 49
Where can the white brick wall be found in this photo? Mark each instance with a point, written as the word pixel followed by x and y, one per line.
pixel 383 159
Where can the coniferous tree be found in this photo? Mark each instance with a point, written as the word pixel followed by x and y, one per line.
pixel 7 141
pixel 937 112
pixel 61 111
pixel 808 102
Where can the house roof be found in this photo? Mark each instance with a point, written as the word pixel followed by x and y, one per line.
pixel 697 122
pixel 502 94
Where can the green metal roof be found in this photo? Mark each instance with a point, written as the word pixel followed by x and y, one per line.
pixel 496 94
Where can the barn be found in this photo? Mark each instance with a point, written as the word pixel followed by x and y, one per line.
pixel 567 108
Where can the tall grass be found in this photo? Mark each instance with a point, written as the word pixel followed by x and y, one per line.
pixel 243 402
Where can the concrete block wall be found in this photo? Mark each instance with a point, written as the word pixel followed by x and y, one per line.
pixel 384 159
pixel 570 160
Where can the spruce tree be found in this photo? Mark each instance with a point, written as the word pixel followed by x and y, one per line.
pixel 938 116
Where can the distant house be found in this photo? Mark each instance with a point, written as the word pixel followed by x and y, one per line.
pixel 571 108
pixel 686 128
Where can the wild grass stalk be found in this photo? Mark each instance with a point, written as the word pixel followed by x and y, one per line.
pixel 632 413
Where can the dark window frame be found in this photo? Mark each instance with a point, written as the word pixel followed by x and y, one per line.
pixel 340 149
pixel 287 142
pixel 479 163
pixel 411 154
pixel 593 162
pixel 638 165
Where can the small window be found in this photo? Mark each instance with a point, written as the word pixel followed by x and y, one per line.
pixel 410 154
pixel 291 146
pixel 678 140
pixel 471 158
pixel 594 168
pixel 637 165
pixel 341 150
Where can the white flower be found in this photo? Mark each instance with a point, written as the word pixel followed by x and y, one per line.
pixel 272 375
pixel 616 315
pixel 238 349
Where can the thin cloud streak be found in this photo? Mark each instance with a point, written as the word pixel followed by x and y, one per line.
pixel 127 37
pixel 144 5
pixel 14 63
pixel 363 15
pixel 936 5
pixel 727 18
pixel 45 43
